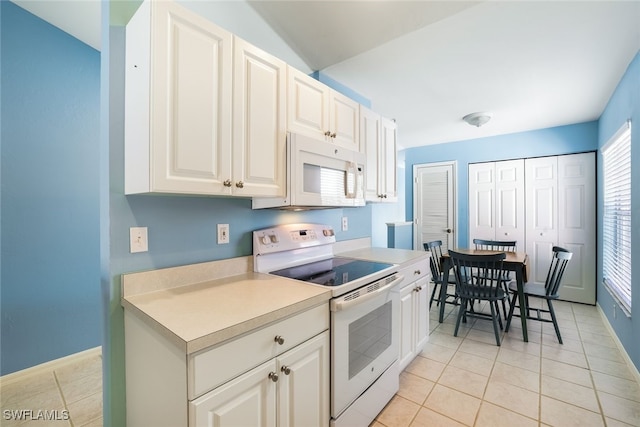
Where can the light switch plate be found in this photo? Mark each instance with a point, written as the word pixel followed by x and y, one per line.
pixel 223 234
pixel 345 223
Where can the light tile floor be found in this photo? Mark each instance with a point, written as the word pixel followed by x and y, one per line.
pixel 72 395
pixel 469 381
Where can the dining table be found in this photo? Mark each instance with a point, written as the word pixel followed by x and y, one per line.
pixel 518 262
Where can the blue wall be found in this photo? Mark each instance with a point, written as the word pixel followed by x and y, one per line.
pixel 624 104
pixel 50 279
pixel 545 142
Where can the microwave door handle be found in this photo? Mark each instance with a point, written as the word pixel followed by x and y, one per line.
pixel 351 180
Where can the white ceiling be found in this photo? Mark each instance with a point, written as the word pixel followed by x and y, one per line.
pixel 531 64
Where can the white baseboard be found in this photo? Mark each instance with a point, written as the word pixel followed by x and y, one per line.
pixel 50 366
pixel 624 353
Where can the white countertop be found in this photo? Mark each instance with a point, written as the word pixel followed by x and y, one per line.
pixel 195 312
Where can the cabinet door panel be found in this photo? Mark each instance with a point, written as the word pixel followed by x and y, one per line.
pixel 370 138
pixel 344 120
pixel 388 161
pixel 406 326
pixel 248 400
pixel 190 102
pixel 421 315
pixel 308 104
pixel 303 394
pixel 259 135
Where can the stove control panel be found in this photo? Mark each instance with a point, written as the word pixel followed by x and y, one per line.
pixel 291 236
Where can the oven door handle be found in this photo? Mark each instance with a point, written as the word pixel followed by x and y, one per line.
pixel 343 305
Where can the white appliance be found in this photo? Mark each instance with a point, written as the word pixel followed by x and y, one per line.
pixel 365 318
pixel 319 175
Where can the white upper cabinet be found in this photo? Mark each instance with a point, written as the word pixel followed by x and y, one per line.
pixel 378 139
pixel 259 121
pixel 318 111
pixel 179 100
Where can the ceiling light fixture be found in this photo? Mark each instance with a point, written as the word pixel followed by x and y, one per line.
pixel 477 119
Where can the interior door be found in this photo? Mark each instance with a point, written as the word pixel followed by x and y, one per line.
pixel 434 204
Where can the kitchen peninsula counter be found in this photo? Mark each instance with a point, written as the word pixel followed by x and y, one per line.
pixel 195 308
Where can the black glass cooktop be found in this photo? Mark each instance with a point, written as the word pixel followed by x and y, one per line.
pixel 332 272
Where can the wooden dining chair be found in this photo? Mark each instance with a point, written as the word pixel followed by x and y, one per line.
pixel 479 278
pixel 548 292
pixel 437 276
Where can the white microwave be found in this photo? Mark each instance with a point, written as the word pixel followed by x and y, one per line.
pixel 319 175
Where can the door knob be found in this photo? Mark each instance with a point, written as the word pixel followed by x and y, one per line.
pixel 449 230
pixel 286 370
pixel 279 339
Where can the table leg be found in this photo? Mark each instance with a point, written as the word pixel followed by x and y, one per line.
pixel 523 305
pixel 443 288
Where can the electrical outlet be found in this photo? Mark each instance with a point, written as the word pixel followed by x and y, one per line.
pixel 138 239
pixel 345 223
pixel 223 234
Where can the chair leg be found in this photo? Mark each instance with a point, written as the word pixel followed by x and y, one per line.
pixel 462 308
pixel 555 322
pixel 495 303
pixel 511 308
pixel 494 314
pixel 433 295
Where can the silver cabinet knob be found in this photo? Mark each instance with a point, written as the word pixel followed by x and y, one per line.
pixel 227 183
pixel 417 272
pixel 327 133
pixel 279 339
pixel 286 370
pixel 333 135
pixel 240 184
pixel 273 377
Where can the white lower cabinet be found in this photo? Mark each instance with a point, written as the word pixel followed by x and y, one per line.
pixel 290 390
pixel 414 312
pixel 276 375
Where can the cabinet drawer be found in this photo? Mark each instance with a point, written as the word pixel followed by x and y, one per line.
pixel 212 367
pixel 416 270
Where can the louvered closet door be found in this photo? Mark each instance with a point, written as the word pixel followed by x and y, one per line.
pixel 434 205
pixel 577 225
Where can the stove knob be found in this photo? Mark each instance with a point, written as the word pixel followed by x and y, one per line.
pixel 274 238
pixel 265 240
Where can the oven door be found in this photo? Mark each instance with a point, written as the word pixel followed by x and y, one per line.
pixel 364 341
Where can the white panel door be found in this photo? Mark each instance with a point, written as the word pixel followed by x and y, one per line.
pixel 370 139
pixel 191 102
pixel 344 121
pixel 259 122
pixel 541 217
pixel 308 105
pixel 482 185
pixel 434 204
pixel 577 225
pixel 388 160
pixel 509 208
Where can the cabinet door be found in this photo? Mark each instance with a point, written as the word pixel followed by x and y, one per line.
pixel 542 214
pixel 303 384
pixel 421 313
pixel 388 161
pixel 509 208
pixel 248 400
pixel 190 102
pixel 577 225
pixel 259 122
pixel 406 326
pixel 370 139
pixel 482 185
pixel 344 121
pixel 308 105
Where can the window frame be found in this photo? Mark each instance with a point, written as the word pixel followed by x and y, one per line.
pixel 616 222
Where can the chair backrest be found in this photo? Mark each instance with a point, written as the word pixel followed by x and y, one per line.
pixel 561 258
pixel 496 245
pixel 435 247
pixel 477 276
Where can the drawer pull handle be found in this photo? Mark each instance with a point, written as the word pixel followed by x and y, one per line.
pixel 273 377
pixel 286 370
pixel 279 339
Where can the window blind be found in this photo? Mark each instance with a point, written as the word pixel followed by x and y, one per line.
pixel 616 156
